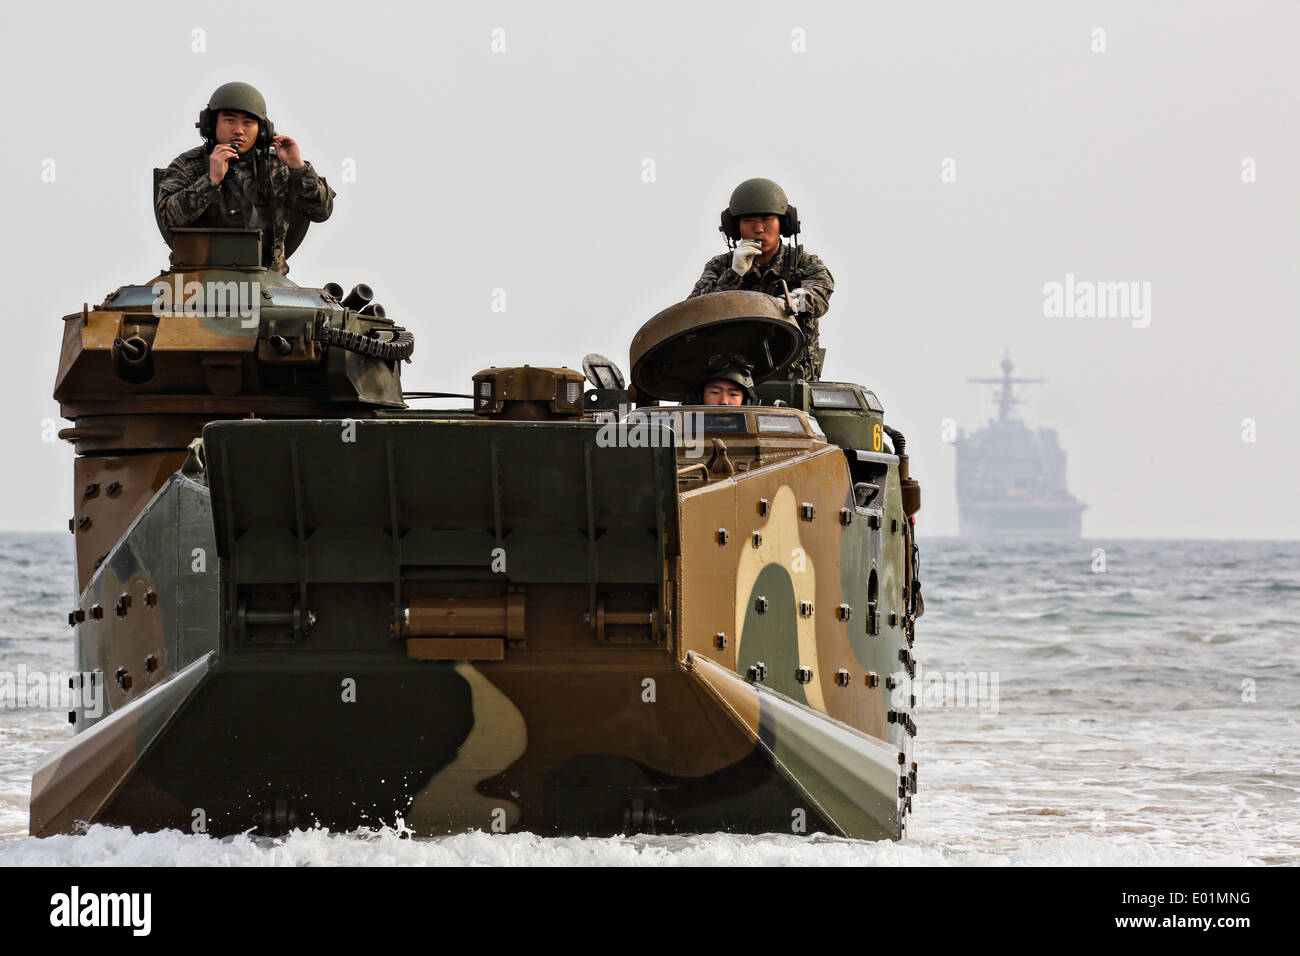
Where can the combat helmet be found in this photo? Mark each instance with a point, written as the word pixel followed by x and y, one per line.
pixel 241 97
pixel 729 368
pixel 758 197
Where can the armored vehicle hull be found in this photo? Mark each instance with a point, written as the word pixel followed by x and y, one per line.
pixel 545 613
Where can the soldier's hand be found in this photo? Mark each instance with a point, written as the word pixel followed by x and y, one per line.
pixel 219 162
pixel 288 152
pixel 742 259
pixel 800 299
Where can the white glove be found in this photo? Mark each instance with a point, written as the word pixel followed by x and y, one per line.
pixel 742 259
pixel 801 299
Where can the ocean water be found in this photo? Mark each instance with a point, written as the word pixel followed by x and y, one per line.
pixel 1079 703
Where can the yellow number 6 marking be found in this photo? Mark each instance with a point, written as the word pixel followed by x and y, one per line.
pixel 876 441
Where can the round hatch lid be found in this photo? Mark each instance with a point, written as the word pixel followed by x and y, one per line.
pixel 671 352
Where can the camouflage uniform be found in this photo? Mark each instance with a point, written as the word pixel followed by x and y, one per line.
pixel 797 268
pixel 187 197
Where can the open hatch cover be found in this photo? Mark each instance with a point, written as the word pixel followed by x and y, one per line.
pixel 671 352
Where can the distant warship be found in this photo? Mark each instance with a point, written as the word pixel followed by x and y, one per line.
pixel 1010 478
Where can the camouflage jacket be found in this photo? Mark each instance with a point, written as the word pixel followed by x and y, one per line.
pixel 798 268
pixel 187 197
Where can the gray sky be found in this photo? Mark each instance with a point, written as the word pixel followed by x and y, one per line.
pixel 523 170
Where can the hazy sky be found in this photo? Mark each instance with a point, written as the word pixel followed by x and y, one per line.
pixel 525 170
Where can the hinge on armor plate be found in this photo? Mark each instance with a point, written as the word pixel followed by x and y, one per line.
pixel 277 819
pixel 627 617
pixel 638 818
pixel 275 617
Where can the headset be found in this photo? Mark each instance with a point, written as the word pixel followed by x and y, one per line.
pixel 730 225
pixel 207 126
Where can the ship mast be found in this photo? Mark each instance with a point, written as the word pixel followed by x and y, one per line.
pixel 1006 397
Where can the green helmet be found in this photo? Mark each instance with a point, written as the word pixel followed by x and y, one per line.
pixel 734 370
pixel 238 96
pixel 758 197
pixel 241 97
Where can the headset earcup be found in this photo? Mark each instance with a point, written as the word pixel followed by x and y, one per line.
pixel 729 228
pixel 264 136
pixel 790 224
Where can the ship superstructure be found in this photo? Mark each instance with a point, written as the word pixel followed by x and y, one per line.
pixel 1010 477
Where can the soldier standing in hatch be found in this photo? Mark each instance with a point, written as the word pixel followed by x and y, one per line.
pixel 754 222
pixel 234 180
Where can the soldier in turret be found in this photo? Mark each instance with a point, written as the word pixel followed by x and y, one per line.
pixel 728 382
pixel 235 180
pixel 758 215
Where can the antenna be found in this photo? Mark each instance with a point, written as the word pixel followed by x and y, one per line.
pixel 1005 395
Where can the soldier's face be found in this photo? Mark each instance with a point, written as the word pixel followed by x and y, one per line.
pixel 722 392
pixel 764 229
pixel 238 129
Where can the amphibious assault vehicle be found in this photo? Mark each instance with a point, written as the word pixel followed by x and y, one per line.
pixel 564 608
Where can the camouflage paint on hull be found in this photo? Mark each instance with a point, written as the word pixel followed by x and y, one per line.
pixel 847 776
pixel 212 749
pixel 96 775
pixel 255 714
